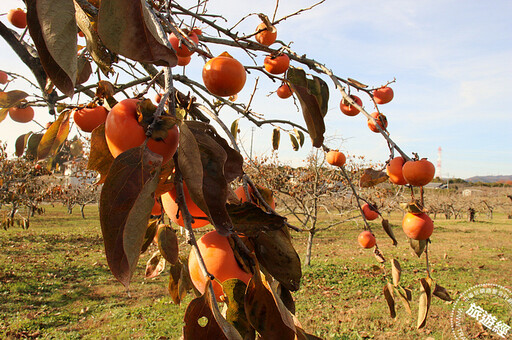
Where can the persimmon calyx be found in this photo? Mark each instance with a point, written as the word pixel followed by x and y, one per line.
pixel 159 125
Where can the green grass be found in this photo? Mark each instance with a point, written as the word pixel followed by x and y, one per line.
pixel 54 282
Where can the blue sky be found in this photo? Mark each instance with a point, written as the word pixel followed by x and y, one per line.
pixel 452 61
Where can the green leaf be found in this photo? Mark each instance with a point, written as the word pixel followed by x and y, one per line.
pixel 54 137
pixel 276 136
pixel 128 27
pixel 52 26
pixel 125 206
pixel 313 96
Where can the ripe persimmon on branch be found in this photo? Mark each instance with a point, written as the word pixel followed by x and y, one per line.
pixel 143 151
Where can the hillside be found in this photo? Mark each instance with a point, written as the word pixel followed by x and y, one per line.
pixel 490 179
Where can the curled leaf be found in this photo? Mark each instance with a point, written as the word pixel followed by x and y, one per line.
pixel 155 265
pixel 295 143
pixel 424 301
pixel 276 136
pixel 418 246
pixel 11 98
pixel 442 293
pixel 371 178
pixel 100 158
pixel 250 220
pixel 21 143
pixel 388 295
pixel 396 271
pixel 54 137
pixel 389 231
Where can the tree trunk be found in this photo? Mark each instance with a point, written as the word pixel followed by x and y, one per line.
pixel 82 207
pixel 471 215
pixel 309 247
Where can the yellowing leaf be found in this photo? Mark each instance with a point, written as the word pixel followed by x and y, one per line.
pixel 11 98
pixel 55 136
pixel 371 178
pixel 167 243
pixel 100 158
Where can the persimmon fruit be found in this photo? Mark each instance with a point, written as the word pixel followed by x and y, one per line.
pixel 220 261
pixel 265 37
pixel 418 173
pixel 17 17
pixel 382 121
pixel 88 119
pixel 123 132
pixel 172 210
pixel 394 171
pixel 276 64
pixel 366 239
pixel 383 95
pixel 3 77
pixel 335 157
pixel 183 50
pixel 21 114
pixel 284 91
pixel 348 109
pixel 417 226
pixel 269 198
pixel 369 213
pixel 184 61
pixel 224 75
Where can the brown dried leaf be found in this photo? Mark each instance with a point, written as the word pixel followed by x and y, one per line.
pixel 52 26
pixel 295 143
pixel 234 128
pixel 389 231
pixel 276 137
pixel 418 246
pixel 55 136
pixel 179 281
pixel 150 235
pixel 263 311
pixel 128 28
pixel 216 327
pixel 105 89
pixel 424 301
pixel 276 254
pixel 378 255
pixel 405 296
pixel 32 145
pixel 21 143
pixel 372 177
pixel 396 271
pixel 11 98
pixel 388 295
pixel 168 243
pixel 84 70
pixel 313 96
pixel 99 53
pixel 250 220
pixel 125 206
pixel 155 265
pixel 357 83
pixel 100 158
pixel 442 293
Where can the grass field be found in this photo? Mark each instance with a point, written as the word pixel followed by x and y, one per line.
pixel 54 282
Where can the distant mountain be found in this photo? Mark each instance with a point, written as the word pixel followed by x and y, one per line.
pixel 490 179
